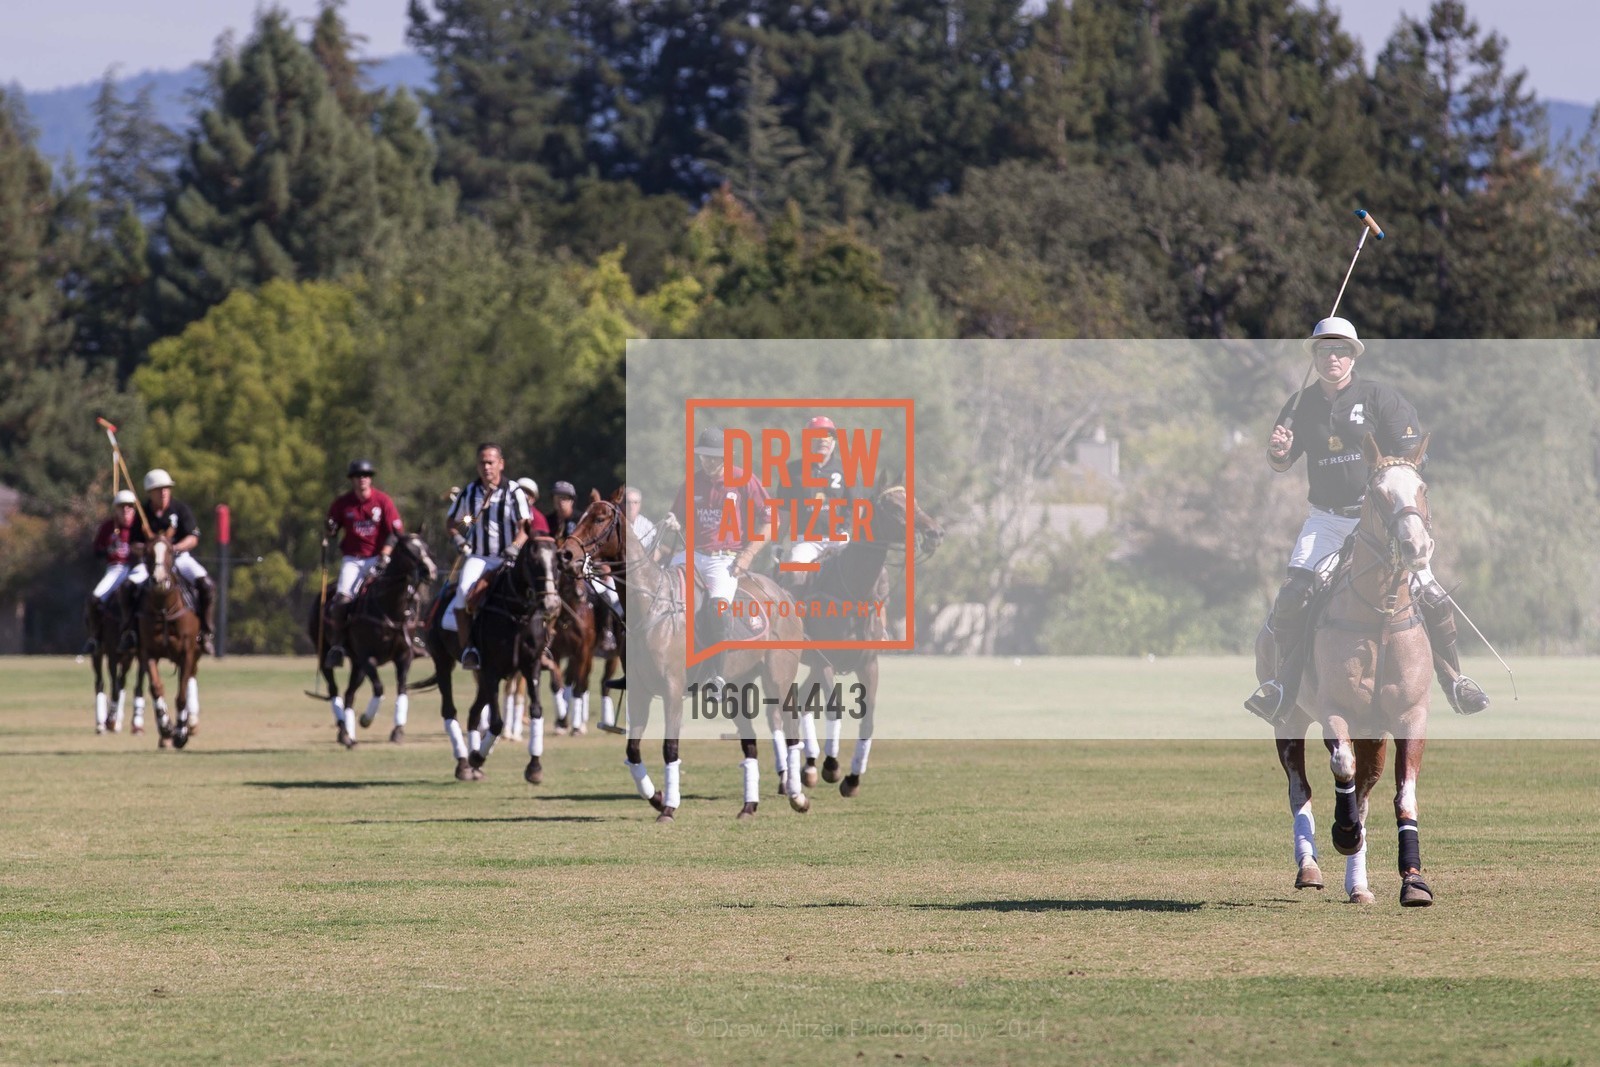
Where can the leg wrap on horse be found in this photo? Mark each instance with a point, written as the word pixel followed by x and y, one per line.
pixel 1346 817
pixel 1439 618
pixel 1410 849
pixel 1287 624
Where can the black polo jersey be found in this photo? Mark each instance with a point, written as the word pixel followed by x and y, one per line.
pixel 1329 434
pixel 830 471
pixel 177 519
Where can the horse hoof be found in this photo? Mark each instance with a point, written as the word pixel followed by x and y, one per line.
pixel 345 739
pixel 1362 896
pixel 658 801
pixel 99 728
pixel 666 815
pixel 850 786
pixel 808 776
pixel 366 720
pixel 397 736
pixel 1348 839
pixel 1414 892
pixel 475 759
pixel 165 742
pixel 800 802
pixel 463 770
pixel 830 770
pixel 180 737
pixel 533 774
pixel 137 730
pixel 1309 877
pixel 576 731
pixel 747 812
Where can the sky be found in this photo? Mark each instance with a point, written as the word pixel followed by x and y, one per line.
pixel 47 44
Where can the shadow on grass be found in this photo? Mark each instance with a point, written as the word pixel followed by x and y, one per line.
pixel 188 753
pixel 479 819
pixel 1134 904
pixel 612 796
pixel 320 783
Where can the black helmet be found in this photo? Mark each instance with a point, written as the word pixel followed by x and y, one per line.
pixel 360 466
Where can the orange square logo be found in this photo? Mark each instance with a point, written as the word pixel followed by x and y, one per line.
pixel 772 487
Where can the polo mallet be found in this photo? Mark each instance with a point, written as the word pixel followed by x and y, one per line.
pixel 322 617
pixel 1368 225
pixel 118 463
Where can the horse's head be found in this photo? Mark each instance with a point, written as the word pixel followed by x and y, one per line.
pixel 412 556
pixel 161 563
pixel 601 535
pixel 536 572
pixel 893 508
pixel 1397 498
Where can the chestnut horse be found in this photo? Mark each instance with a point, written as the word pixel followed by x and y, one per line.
pixel 658 663
pixel 378 630
pixel 856 571
pixel 1369 673
pixel 169 629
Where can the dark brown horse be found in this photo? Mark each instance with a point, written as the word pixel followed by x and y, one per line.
pixel 1370 673
pixel 572 650
pixel 378 630
pixel 169 629
pixel 509 631
pixel 658 666
pixel 857 571
pixel 112 656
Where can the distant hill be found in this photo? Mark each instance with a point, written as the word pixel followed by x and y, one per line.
pixel 65 120
pixel 1567 119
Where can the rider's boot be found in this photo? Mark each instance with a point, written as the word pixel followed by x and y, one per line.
pixel 206 593
pixel 129 640
pixel 714 624
pixel 1439 617
pixel 606 617
pixel 338 612
pixel 1274 698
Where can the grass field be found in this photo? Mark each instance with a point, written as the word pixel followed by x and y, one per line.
pixel 267 897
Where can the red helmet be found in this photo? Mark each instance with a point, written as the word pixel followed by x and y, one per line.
pixel 821 422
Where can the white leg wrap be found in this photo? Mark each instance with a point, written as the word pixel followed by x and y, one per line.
pixel 808 736
pixel 192 693
pixel 486 743
pixel 563 701
pixel 458 746
pixel 337 704
pixel 1355 871
pixel 536 737
pixel 641 779
pixel 832 729
pixel 671 795
pixel 608 711
pixel 102 705
pixel 1305 835
pixel 751 768
pixel 580 711
pixel 474 739
pixel 858 763
pixel 349 722
pixel 797 763
pixel 402 704
pixel 138 711
pixel 780 752
pixel 371 712
pixel 116 716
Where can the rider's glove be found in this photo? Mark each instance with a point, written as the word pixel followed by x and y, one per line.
pixel 462 546
pixel 509 553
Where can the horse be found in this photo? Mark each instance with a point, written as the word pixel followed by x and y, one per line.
pixel 657 630
pixel 573 643
pixel 847 573
pixel 510 631
pixel 1369 673
pixel 378 629
pixel 169 629
pixel 112 657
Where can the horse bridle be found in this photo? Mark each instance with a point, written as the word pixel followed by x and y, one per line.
pixel 1391 550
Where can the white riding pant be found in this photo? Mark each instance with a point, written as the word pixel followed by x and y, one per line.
pixel 472 568
pixel 716 570
pixel 115 575
pixel 352 571
pixel 1323 534
pixel 605 587
pixel 184 564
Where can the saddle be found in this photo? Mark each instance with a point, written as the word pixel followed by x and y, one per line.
pixel 747 615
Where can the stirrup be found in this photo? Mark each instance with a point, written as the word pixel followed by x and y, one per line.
pixel 334 657
pixel 1267 702
pixel 470 660
pixel 128 642
pixel 1467 697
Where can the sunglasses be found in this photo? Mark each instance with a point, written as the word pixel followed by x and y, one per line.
pixel 1337 351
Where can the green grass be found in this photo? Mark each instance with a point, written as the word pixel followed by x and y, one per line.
pixel 266 897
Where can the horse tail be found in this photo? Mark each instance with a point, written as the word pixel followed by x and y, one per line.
pixel 430 682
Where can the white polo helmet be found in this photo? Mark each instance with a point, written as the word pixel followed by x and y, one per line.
pixel 1334 327
pixel 157 479
pixel 530 487
pixel 124 496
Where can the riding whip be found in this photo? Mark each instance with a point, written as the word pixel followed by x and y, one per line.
pixel 1368 225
